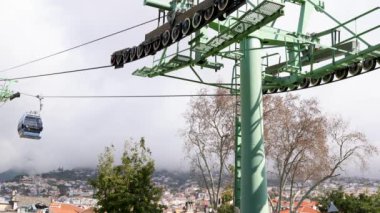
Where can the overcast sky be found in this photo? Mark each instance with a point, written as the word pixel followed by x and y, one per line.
pixel 77 130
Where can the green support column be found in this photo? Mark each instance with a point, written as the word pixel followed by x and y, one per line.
pixel 254 198
pixel 304 17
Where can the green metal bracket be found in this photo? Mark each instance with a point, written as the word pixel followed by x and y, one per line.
pixel 158 4
pixel 252 20
pixel 371 52
pixel 342 54
pixel 338 22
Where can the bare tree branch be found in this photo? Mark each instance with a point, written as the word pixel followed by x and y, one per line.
pixel 307 146
pixel 209 134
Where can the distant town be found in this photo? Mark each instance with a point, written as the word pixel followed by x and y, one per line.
pixel 64 189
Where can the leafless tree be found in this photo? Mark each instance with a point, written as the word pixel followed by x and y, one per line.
pixel 209 139
pixel 305 145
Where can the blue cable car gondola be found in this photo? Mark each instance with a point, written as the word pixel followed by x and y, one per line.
pixel 30 126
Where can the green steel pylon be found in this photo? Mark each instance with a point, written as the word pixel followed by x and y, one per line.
pixel 253 27
pixel 254 198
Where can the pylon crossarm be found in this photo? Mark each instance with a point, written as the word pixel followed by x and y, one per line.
pixel 158 4
pixel 362 33
pixel 252 20
pixel 217 84
pixel 341 58
pixel 318 2
pixel 371 52
pixel 335 20
pixel 196 74
pixel 326 32
pixel 175 63
pixel 352 63
pixel 266 12
pixel 344 47
pixel 275 36
pixel 322 54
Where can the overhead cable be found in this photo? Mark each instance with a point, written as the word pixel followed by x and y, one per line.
pixel 77 46
pixel 55 73
pixel 141 96
pixel 126 96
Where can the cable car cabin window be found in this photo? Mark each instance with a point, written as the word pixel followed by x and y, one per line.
pixel 32 124
pixel 33 121
pixel 30 121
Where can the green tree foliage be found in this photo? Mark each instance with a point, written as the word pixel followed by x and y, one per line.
pixel 5 93
pixel 127 187
pixel 350 203
pixel 227 197
pixel 226 208
pixel 63 190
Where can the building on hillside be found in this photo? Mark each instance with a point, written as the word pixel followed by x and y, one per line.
pixel 33 209
pixel 24 204
pixel 9 206
pixel 28 201
pixel 5 206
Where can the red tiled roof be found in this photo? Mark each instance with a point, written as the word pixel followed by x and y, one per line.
pixel 305 207
pixel 64 208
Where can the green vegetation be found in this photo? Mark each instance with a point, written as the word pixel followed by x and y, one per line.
pixel 9 175
pixel 227 197
pixel 127 187
pixel 70 175
pixel 350 203
pixel 63 190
